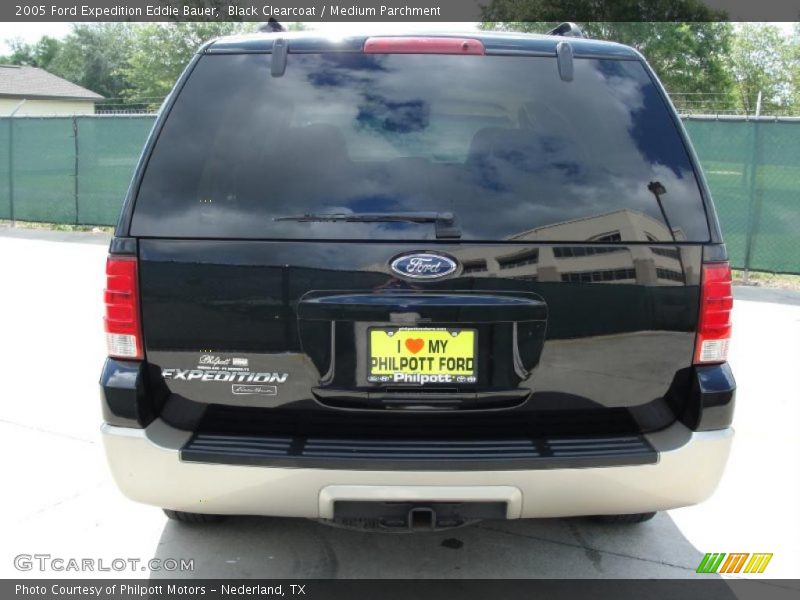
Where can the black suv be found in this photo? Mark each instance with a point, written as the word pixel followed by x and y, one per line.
pixel 416 281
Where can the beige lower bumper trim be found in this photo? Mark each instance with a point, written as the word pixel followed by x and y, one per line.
pixel 147 468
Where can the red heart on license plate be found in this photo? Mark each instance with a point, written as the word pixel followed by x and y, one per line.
pixel 414 345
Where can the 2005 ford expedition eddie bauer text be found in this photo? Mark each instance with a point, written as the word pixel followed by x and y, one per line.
pixel 413 282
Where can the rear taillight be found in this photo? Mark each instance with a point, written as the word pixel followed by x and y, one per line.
pixel 716 302
pixel 123 330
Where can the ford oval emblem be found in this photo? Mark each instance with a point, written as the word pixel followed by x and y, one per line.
pixel 424 265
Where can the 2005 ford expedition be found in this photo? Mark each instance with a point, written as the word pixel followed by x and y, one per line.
pixel 412 282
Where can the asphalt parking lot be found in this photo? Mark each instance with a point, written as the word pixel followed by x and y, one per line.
pixel 59 498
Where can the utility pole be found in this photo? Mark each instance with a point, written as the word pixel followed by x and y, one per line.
pixel 11 162
pixel 754 158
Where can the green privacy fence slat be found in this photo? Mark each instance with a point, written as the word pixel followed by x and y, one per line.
pixel 77 169
pixel 723 149
pixel 777 217
pixel 72 170
pixel 5 192
pixel 753 169
pixel 108 149
pixel 43 169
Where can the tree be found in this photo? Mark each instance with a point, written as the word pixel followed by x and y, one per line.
pixel 685 42
pixel 135 63
pixel 89 56
pixel 159 51
pixel 610 11
pixel 92 56
pixel 39 54
pixel 763 60
pixel 690 59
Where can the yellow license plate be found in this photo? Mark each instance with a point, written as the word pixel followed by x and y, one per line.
pixel 415 355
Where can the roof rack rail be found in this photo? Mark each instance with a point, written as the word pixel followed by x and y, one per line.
pixel 567 30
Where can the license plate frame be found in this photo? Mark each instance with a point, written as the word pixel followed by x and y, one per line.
pixel 433 373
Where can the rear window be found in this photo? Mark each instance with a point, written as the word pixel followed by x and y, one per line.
pixel 504 144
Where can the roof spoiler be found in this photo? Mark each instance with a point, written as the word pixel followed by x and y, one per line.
pixel 567 30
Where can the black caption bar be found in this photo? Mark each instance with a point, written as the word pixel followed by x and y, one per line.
pixel 242 10
pixel 711 588
pixel 400 10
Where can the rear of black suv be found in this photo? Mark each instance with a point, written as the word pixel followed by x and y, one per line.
pixel 417 280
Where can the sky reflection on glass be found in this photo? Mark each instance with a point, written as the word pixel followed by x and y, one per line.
pixel 501 141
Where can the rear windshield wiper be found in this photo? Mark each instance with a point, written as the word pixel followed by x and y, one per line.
pixel 446 227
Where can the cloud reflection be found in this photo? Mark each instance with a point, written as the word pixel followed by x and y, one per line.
pixel 499 140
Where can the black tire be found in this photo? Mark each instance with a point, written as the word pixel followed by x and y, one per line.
pixel 624 519
pixel 187 517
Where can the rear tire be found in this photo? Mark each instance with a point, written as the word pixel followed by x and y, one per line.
pixel 187 517
pixel 624 519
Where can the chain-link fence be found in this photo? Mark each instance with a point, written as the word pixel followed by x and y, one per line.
pixel 753 169
pixel 709 103
pixel 76 170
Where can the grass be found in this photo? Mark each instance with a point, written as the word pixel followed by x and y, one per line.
pixel 764 279
pixel 58 226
